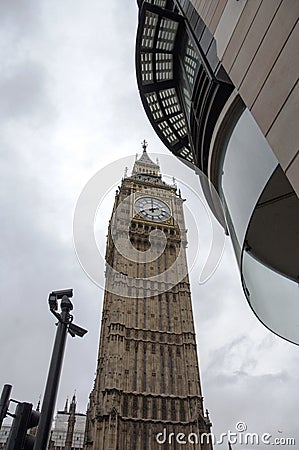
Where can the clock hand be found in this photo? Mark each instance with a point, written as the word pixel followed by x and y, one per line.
pixel 148 210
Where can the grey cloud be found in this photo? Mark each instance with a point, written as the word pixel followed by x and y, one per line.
pixel 23 93
pixel 20 16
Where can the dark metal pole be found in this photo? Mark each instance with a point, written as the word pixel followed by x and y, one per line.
pixel 45 423
pixel 4 401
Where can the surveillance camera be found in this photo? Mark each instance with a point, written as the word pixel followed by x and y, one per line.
pixel 61 293
pixel 53 302
pixel 75 330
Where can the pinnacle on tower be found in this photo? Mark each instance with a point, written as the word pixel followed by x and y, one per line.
pixel 144 145
pixel 73 404
pixel 66 405
pixel 71 424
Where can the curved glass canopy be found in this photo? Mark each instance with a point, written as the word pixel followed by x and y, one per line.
pixel 263 217
pixel 155 48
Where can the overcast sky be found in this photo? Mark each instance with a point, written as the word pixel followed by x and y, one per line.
pixel 69 105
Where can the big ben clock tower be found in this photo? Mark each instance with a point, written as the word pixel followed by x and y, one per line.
pixel 147 393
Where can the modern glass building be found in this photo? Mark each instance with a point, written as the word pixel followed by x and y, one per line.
pixel 218 80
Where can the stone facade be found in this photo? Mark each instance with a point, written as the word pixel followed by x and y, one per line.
pixel 147 380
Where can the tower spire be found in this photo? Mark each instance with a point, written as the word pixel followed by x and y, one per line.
pixel 144 145
pixel 66 405
pixel 71 424
pixel 73 403
pixel 144 165
pixel 38 404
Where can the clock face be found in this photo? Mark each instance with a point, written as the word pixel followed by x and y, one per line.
pixel 152 209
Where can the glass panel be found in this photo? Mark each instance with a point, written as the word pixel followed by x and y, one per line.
pixel 191 62
pixel 149 28
pixel 248 164
pixel 160 3
pixel 186 154
pixel 260 210
pixel 167 34
pixel 186 93
pixel 274 298
pixel 170 101
pixel 146 68
pixel 189 71
pixel 154 106
pixel 164 66
pixel 179 124
pixel 167 132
